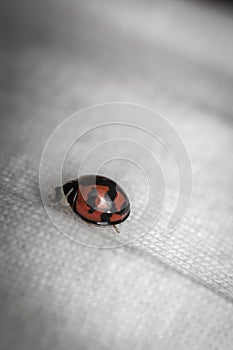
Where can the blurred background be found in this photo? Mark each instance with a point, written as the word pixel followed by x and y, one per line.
pixel 165 291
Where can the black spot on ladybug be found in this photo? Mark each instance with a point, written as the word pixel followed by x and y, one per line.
pixel 105 217
pixel 113 208
pixel 112 191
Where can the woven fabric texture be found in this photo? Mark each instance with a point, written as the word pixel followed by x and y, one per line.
pixel 164 291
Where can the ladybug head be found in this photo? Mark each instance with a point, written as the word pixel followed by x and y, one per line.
pixel 65 195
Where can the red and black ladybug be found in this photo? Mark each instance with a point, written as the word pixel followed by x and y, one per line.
pixel 96 199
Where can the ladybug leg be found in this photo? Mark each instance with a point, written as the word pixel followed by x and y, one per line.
pixel 116 229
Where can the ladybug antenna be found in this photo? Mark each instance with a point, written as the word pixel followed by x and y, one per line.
pixel 116 229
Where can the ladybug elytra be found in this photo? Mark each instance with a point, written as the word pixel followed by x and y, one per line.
pixel 97 199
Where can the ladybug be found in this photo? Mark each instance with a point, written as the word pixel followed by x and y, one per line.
pixel 96 199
